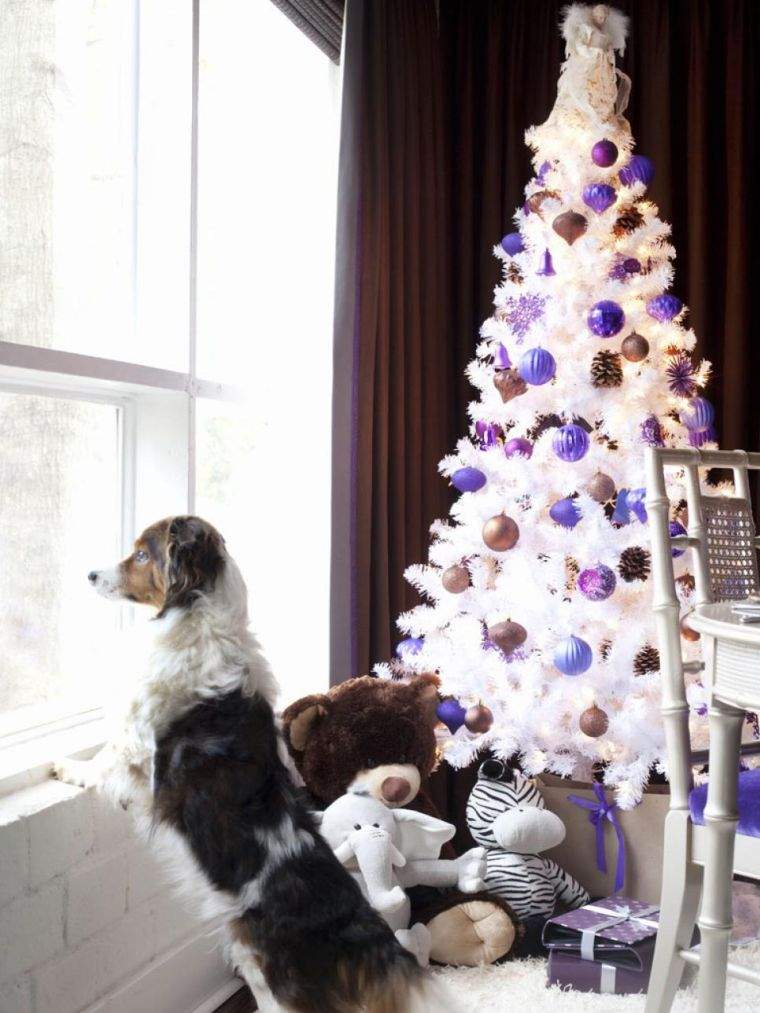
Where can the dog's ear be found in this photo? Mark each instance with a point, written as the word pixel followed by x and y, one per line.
pixel 302 718
pixel 194 560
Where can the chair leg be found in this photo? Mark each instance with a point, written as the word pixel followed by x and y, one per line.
pixel 681 889
pixel 721 817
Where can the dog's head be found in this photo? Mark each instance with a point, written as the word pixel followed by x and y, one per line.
pixel 173 562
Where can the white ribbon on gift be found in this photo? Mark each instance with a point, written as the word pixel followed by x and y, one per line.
pixel 616 916
pixel 607 979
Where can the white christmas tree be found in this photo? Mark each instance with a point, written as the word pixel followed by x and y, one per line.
pixel 539 617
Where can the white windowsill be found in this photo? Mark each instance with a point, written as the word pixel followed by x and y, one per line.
pixel 31 762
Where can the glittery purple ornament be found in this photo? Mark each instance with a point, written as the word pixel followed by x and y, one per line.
pixel 565 513
pixel 631 265
pixel 512 243
pixel 518 447
pixel 700 437
pixel 664 307
pixel 604 154
pixel 597 583
pixel 599 196
pixel 537 366
pixel 676 529
pixel 570 443
pixel 573 656
pixel 546 267
pixel 699 415
pixel 412 645
pixel 468 479
pixel 606 318
pixel 680 374
pixel 623 268
pixel 501 359
pixel 523 312
pixel 451 713
pixel 651 432
pixel 640 169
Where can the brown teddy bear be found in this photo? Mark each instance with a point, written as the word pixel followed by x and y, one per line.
pixel 379 735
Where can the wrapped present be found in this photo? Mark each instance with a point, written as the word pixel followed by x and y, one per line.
pixel 571 971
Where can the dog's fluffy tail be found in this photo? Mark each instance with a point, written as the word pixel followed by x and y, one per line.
pixel 416 993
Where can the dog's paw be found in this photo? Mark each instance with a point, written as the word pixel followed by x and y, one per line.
pixel 76 772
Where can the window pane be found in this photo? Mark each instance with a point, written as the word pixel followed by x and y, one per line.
pixel 59 518
pixel 268 118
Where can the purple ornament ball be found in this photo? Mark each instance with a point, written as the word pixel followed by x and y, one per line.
pixel 573 656
pixel 565 513
pixel 518 447
pixel 512 243
pixel 676 528
pixel 664 307
pixel 570 443
pixel 640 169
pixel 451 713
pixel 606 319
pixel 604 153
pixel 597 583
pixel 537 366
pixel 468 479
pixel 412 645
pixel 599 196
pixel 701 437
pixel 699 415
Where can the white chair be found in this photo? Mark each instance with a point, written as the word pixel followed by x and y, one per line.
pixel 721 537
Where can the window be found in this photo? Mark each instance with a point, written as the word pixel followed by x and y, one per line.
pixel 167 192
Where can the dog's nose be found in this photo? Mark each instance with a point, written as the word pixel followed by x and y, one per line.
pixel 395 789
pixel 92 576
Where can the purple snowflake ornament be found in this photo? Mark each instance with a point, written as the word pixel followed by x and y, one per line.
pixel 680 374
pixel 523 312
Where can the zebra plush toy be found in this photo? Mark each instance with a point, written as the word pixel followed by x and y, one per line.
pixel 507 815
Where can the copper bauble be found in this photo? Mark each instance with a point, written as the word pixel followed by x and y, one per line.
pixel 687 632
pixel 478 719
pixel 507 636
pixel 593 722
pixel 601 488
pixel 570 226
pixel 500 533
pixel 509 384
pixel 456 579
pixel 635 347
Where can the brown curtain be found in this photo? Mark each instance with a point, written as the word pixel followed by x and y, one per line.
pixel 439 163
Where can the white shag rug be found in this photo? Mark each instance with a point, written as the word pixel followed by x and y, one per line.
pixel 520 986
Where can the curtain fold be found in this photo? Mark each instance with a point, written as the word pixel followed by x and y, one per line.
pixel 439 101
pixel 319 20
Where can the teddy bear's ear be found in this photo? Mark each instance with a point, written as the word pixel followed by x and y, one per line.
pixel 301 718
pixel 425 688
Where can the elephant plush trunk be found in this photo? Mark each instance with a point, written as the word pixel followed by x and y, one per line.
pixel 376 855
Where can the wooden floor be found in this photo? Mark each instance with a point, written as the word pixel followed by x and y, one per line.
pixel 240 1002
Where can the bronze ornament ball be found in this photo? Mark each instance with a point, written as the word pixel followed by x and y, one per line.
pixel 478 719
pixel 635 347
pixel 593 722
pixel 456 579
pixel 507 636
pixel 601 488
pixel 500 533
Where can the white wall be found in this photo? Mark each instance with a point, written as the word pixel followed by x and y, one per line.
pixel 86 921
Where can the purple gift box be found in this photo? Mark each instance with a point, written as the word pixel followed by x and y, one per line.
pixel 610 930
pixel 570 970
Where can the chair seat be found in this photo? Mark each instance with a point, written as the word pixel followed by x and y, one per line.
pixel 748 798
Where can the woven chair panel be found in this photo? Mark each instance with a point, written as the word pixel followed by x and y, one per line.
pixel 731 553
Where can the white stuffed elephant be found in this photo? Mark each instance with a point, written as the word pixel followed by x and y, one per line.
pixel 387 850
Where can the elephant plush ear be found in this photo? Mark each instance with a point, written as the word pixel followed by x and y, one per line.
pixel 302 718
pixel 419 835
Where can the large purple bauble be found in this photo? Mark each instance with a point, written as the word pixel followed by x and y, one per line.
pixel 606 318
pixel 452 713
pixel 699 415
pixel 599 196
pixel 537 366
pixel 597 583
pixel 664 307
pixel 518 447
pixel 468 479
pixel 604 153
pixel 570 443
pixel 640 169
pixel 700 438
pixel 676 528
pixel 512 243
pixel 573 656
pixel 565 513
pixel 412 645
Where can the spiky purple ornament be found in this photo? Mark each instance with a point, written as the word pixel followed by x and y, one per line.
pixel 676 529
pixel 518 447
pixel 537 366
pixel 451 713
pixel 565 513
pixel 512 243
pixel 606 319
pixel 664 307
pixel 651 432
pixel 599 196
pixel 640 169
pixel 597 583
pixel 680 374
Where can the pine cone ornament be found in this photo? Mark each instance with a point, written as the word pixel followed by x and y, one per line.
pixel 628 221
pixel 514 274
pixel 635 563
pixel 509 384
pixel 606 370
pixel 647 660
pixel 572 569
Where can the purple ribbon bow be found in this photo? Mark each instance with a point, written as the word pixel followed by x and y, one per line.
pixel 599 811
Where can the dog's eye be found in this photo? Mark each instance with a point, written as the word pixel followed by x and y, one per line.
pixel 141 556
pixel 357 826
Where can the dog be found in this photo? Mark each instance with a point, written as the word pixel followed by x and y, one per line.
pixel 199 760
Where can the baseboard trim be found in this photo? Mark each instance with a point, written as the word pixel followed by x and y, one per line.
pixel 221 995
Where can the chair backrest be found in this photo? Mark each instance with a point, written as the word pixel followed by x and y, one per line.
pixel 721 537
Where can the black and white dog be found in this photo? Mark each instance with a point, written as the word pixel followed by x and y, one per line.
pixel 198 757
